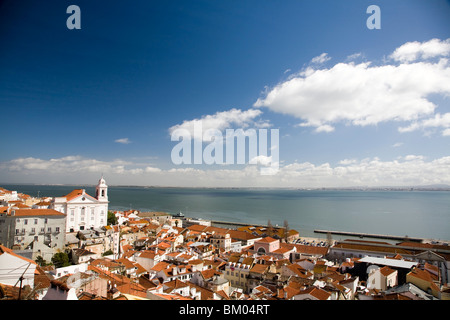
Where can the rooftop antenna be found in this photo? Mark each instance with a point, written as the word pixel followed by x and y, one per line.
pixel 21 278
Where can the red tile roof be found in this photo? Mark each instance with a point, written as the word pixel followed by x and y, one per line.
pixel 37 212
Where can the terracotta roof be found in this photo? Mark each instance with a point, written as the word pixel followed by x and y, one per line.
pixel 4 249
pixel 421 274
pixel 37 212
pixel 160 266
pixel 209 273
pixel 173 296
pixel 175 284
pixel 133 288
pixel 259 268
pixel 127 263
pixel 385 271
pixel 367 247
pixel 267 239
pixel 317 293
pixel 41 280
pixel 282 250
pixel 205 294
pixel 241 235
pixel 77 192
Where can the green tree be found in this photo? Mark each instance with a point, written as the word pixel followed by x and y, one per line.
pixel 40 261
pixel 61 259
pixel 112 219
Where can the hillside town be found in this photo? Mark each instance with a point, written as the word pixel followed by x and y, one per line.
pixel 75 248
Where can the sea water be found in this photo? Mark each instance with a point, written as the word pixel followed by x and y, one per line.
pixel 423 214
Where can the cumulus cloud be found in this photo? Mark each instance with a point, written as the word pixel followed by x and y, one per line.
pixel 403 171
pixel 220 121
pixel 412 51
pixel 438 121
pixel 397 144
pixel 70 164
pixel 321 59
pixel 365 94
pixel 123 141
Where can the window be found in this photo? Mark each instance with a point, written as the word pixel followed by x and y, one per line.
pixel 72 212
pixel 33 231
pixel 17 231
pixel 35 221
pixel 45 220
pixel 25 221
pixel 57 229
pixel 49 229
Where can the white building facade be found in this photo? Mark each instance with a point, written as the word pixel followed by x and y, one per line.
pixel 82 210
pixel 40 230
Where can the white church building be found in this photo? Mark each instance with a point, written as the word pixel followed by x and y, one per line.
pixel 83 211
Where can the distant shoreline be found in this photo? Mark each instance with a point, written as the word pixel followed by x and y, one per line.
pixel 356 188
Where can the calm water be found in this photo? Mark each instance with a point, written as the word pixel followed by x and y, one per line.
pixel 413 213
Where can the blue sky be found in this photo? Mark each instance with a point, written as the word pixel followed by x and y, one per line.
pixel 103 99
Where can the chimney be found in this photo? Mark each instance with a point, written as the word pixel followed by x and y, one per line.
pixel 175 270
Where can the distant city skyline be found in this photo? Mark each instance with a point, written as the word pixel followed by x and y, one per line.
pixel 353 106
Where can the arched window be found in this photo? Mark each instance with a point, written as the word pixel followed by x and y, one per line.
pixel 261 250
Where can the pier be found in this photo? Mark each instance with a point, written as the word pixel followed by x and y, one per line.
pixel 237 224
pixel 369 235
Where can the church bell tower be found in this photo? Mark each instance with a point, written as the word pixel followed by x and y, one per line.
pixel 101 190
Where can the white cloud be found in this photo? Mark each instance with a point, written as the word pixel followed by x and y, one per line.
pixel 411 157
pixel 324 128
pixel 363 94
pixel 262 160
pixel 123 141
pixel 321 59
pixel 438 121
pixel 221 121
pixel 66 165
pixel 398 144
pixel 152 170
pixel 412 51
pixel 354 56
pixel 346 162
pixel 403 171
